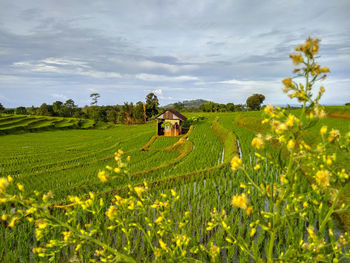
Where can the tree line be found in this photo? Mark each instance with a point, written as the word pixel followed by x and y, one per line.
pixel 128 113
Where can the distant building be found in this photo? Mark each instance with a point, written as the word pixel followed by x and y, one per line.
pixel 170 123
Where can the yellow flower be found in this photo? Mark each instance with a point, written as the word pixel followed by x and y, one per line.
pixel 13 221
pixel 111 212
pixel 158 220
pixel 3 183
pixel 128 158
pixel 4 217
pixel 10 179
pixel 281 128
pixel 322 178
pixel 252 232
pixel 323 130
pixel 240 201
pixel 269 109
pixel 214 250
pixel 258 142
pixel 290 120
pixel 163 245
pixel 297 59
pixel 333 135
pixel 287 82
pixel 256 167
pixel 235 163
pixel 291 144
pixel 325 70
pixel 41 224
pixel 249 210
pixel 117 170
pixel 20 187
pixel 102 176
pixel 139 190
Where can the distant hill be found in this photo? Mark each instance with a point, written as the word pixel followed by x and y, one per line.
pixel 189 103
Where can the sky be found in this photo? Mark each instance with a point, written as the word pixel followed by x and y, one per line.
pixel 223 51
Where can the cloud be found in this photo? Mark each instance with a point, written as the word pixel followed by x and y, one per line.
pixel 158 92
pixel 163 78
pixel 187 49
pixel 60 97
pixel 63 67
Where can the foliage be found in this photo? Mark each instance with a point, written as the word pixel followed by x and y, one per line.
pixel 152 104
pixel 21 110
pixel 94 97
pixel 254 101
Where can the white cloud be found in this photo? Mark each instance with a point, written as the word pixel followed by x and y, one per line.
pixel 60 96
pixel 64 67
pixel 158 92
pixel 154 77
pixel 173 68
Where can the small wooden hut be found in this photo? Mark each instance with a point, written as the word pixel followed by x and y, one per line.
pixel 170 123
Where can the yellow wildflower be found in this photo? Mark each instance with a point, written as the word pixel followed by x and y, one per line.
pixel 9 179
pixel 240 201
pixel 163 245
pixel 117 170
pixel 252 232
pixel 269 109
pixel 20 187
pixel 103 176
pixel 256 167
pixel 290 120
pixel 139 190
pixel 281 128
pixel 111 212
pixel 3 183
pixel 235 163
pixel 13 221
pixel 322 178
pixel 41 224
pixel 323 130
pixel 287 82
pixel 333 135
pixel 4 217
pixel 297 59
pixel 128 158
pixel 214 250
pixel 249 210
pixel 291 144
pixel 258 142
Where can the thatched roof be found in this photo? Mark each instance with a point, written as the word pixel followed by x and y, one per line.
pixel 171 115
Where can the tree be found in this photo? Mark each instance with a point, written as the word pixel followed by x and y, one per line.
pixel 94 97
pixel 152 104
pixel 254 101
pixel 179 106
pixel 45 110
pixel 1 107
pixel 112 116
pixel 69 108
pixel 57 108
pixel 21 110
pixel 230 107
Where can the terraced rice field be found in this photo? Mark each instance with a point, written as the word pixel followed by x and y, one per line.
pixel 196 166
pixel 10 124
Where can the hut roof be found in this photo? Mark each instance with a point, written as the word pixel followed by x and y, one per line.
pixel 171 115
